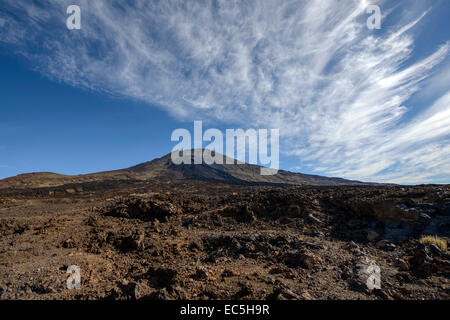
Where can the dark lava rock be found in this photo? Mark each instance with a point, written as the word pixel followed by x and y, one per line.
pixel 68 244
pixel 398 231
pixel 162 277
pixel 244 291
pixel 304 259
pixel 201 274
pixel 390 246
pixel 283 292
pixel 439 225
pixel 443 208
pixel 435 249
pixel 144 210
pixel 131 289
pixel 135 241
pixel 160 294
pixel 423 260
pixel 424 218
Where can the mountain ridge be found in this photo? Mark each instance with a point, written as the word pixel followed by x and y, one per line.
pixel 163 169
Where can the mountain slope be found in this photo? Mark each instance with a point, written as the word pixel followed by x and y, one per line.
pixel 163 169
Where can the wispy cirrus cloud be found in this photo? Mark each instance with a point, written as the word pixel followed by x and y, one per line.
pixel 338 92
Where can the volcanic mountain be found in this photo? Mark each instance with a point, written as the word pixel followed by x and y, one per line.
pixel 163 169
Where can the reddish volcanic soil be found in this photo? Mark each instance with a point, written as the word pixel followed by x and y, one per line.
pixel 199 240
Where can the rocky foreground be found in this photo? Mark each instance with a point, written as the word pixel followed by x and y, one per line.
pixel 197 240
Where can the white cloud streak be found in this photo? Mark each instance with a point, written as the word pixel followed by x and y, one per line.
pixel 337 91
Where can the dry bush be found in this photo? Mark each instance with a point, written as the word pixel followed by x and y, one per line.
pixel 440 243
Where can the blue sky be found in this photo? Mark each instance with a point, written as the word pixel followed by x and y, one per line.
pixel 362 104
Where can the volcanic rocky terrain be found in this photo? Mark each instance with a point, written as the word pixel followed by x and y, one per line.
pixel 160 231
